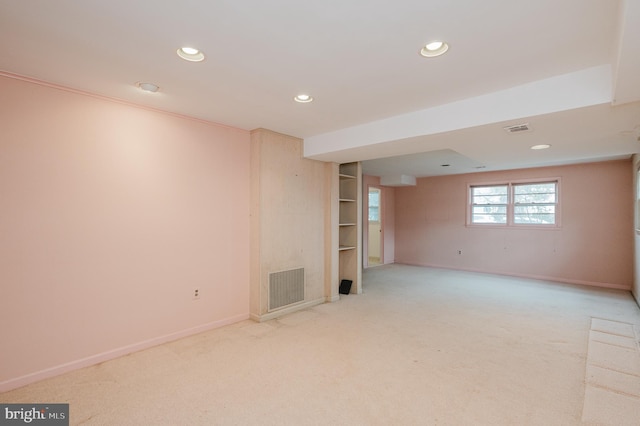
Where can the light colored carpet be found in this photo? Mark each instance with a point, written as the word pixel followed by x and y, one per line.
pixel 420 346
pixel 612 394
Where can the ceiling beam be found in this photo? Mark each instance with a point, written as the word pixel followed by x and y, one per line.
pixel 626 64
pixel 579 89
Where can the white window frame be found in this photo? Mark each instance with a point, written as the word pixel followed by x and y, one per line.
pixel 510 223
pixel 504 205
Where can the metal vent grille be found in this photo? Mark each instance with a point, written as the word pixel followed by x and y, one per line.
pixel 518 128
pixel 286 288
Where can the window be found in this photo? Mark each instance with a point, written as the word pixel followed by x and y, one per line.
pixel 489 204
pixel 514 203
pixel 534 203
pixel 374 205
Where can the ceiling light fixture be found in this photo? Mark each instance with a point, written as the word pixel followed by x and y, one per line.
pixel 541 146
pixel 148 87
pixel 190 54
pixel 434 48
pixel 302 98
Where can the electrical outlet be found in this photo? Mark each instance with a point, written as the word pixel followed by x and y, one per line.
pixel 196 293
pixel 459 251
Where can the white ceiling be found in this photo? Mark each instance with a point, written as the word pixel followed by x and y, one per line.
pixel 569 68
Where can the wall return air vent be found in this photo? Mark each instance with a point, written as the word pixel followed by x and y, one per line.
pixel 286 288
pixel 518 128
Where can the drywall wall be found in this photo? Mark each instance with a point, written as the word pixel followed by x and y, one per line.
pixel 635 196
pixel 593 245
pixel 289 210
pixel 389 225
pixel 387 196
pixel 111 216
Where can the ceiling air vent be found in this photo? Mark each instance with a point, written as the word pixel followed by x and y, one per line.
pixel 518 128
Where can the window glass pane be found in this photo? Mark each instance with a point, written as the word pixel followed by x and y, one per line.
pixel 374 198
pixel 535 203
pixel 534 214
pixel 535 193
pixel 374 214
pixel 489 214
pixel 374 206
pixel 497 194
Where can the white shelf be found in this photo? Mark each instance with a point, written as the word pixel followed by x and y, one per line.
pixel 349 228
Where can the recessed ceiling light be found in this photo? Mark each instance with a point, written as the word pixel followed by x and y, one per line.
pixel 190 54
pixel 434 48
pixel 302 98
pixel 541 146
pixel 148 87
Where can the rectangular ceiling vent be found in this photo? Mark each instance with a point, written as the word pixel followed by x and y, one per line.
pixel 518 128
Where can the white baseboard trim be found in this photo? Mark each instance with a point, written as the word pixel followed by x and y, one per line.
pixel 17 382
pixel 527 276
pixel 280 312
pixel 331 299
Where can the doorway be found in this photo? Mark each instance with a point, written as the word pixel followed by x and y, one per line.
pixel 374 223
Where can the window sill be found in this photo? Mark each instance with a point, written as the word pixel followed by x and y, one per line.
pixel 520 227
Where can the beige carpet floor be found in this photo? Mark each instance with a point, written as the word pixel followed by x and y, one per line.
pixel 420 346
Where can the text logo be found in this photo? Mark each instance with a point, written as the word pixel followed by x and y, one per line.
pixel 34 414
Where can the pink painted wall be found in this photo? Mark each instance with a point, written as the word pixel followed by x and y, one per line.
pixel 110 216
pixel 388 219
pixel 593 246
pixel 389 225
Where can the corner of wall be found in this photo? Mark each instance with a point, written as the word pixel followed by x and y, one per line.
pixel 635 287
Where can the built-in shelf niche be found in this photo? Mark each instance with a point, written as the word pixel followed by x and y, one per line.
pixel 349 224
